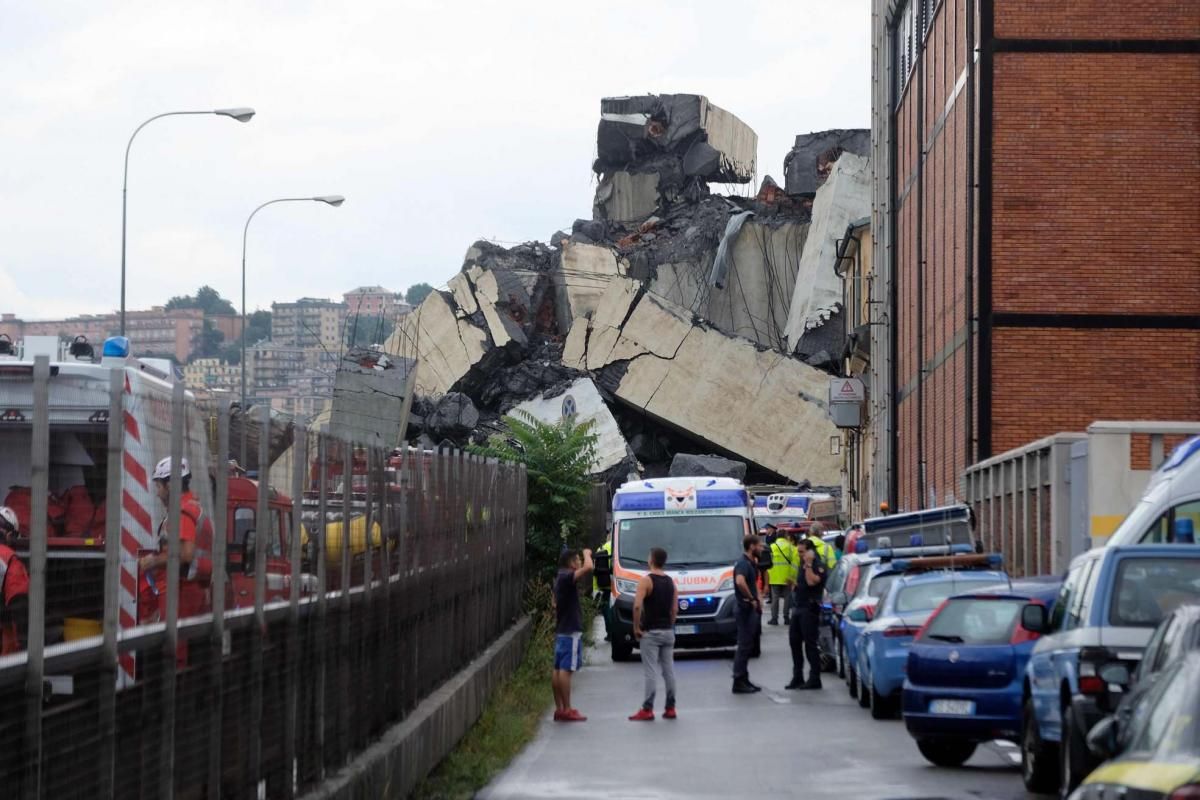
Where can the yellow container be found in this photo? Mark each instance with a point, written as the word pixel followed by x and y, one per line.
pixel 358 538
pixel 75 628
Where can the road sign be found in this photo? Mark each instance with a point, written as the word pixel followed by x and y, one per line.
pixel 846 390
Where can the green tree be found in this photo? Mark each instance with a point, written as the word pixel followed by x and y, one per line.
pixel 558 460
pixel 368 329
pixel 416 293
pixel 206 298
pixel 209 341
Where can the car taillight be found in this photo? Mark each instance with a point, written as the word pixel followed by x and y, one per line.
pixel 1091 684
pixel 932 617
pixel 1189 792
pixel 900 630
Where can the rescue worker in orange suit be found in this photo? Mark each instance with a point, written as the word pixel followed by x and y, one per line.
pixel 14 587
pixel 195 546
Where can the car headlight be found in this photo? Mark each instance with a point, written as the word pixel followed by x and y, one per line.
pixel 726 585
pixel 625 586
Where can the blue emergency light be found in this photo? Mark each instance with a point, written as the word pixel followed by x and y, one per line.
pixel 116 347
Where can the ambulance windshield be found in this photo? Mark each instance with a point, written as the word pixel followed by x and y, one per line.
pixel 691 542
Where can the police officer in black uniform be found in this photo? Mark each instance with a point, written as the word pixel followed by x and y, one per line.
pixel 747 613
pixel 806 617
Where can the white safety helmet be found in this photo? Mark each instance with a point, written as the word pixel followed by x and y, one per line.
pixel 162 472
pixel 10 517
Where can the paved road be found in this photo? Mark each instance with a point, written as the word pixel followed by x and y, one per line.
pixel 773 744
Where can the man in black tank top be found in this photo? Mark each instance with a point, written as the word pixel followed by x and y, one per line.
pixel 654 609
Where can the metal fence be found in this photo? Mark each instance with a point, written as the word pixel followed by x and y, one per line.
pixel 328 615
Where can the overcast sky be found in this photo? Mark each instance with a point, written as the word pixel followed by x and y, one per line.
pixel 441 123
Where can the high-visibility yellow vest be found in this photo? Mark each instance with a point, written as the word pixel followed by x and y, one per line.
pixel 604 548
pixel 824 551
pixel 784 562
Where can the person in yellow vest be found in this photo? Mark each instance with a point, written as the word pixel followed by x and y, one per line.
pixel 824 551
pixel 782 575
pixel 601 596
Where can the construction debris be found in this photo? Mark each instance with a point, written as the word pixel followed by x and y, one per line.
pixel 673 318
pixel 811 159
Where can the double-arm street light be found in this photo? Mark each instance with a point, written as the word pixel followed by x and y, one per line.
pixel 240 114
pixel 334 200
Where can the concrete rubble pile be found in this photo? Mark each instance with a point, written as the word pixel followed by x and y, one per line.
pixel 678 320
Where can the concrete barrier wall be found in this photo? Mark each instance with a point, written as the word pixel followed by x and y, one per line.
pixel 393 766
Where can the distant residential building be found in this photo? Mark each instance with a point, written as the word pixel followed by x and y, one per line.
pixel 309 322
pixel 152 332
pixel 212 374
pixel 230 326
pixel 374 300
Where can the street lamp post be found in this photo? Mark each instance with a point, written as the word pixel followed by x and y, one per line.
pixel 240 114
pixel 334 200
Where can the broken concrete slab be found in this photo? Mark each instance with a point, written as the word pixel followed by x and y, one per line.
pixel 635 128
pixel 728 392
pixel 446 346
pixel 372 397
pixel 845 197
pixel 626 197
pixel 582 400
pixel 685 465
pixel 758 285
pixel 583 274
pixel 721 389
pixel 807 166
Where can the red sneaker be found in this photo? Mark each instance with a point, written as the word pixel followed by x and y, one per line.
pixel 573 715
pixel 643 715
pixel 559 715
pixel 669 713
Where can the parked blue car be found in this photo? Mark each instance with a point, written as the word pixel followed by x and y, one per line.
pixel 883 644
pixel 1107 609
pixel 876 579
pixel 966 670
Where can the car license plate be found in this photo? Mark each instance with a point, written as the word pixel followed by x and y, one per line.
pixel 961 708
pixel 685 629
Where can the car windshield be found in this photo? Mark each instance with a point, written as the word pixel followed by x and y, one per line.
pixel 1167 723
pixel 925 595
pixel 690 541
pixel 973 620
pixel 1147 589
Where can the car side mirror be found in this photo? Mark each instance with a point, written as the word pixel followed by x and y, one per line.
pixel 858 615
pixel 602 570
pixel 1102 739
pixel 1033 618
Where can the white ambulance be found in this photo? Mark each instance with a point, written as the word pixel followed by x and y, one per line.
pixel 700 522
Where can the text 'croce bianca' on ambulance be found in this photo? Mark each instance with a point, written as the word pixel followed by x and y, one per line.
pixel 700 522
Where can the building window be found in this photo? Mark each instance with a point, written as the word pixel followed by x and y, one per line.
pixel 912 25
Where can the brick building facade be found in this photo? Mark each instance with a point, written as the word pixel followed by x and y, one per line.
pixel 1037 180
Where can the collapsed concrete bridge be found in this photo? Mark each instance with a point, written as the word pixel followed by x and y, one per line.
pixel 683 321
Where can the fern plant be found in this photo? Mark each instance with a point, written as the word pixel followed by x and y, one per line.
pixel 558 460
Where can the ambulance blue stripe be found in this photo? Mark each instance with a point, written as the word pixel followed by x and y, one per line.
pixel 721 498
pixel 639 501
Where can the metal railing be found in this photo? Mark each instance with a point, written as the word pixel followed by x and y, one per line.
pixel 329 614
